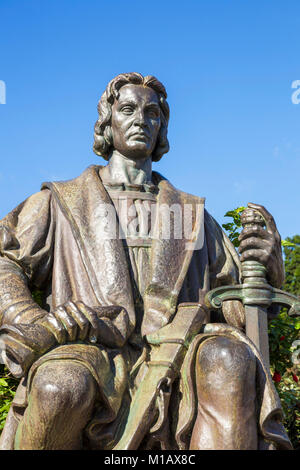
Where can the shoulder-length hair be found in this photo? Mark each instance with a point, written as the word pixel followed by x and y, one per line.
pixel 103 142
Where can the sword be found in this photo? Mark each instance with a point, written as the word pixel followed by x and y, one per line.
pixel 149 406
pixel 256 295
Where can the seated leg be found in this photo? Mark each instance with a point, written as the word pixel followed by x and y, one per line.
pixel 60 405
pixel 225 382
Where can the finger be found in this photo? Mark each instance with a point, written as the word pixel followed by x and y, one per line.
pixel 68 322
pixel 55 326
pixel 110 311
pixel 275 276
pixel 261 256
pixel 270 222
pixel 93 320
pixel 81 320
pixel 254 243
pixel 254 231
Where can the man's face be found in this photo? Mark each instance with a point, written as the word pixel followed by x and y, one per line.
pixel 135 121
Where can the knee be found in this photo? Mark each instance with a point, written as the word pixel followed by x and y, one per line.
pixel 223 360
pixel 60 385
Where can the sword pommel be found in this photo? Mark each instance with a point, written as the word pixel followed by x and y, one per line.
pixel 250 217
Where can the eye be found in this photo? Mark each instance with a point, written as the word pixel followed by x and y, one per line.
pixel 127 109
pixel 153 113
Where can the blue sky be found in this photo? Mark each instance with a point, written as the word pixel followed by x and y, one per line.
pixel 227 65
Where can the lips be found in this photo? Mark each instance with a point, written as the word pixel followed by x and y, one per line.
pixel 140 134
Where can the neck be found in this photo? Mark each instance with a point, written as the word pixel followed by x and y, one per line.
pixel 123 170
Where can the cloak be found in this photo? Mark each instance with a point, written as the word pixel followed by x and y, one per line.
pixel 54 242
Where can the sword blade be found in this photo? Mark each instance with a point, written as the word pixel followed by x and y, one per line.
pixel 257 330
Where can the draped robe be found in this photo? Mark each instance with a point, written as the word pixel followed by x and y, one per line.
pixel 54 241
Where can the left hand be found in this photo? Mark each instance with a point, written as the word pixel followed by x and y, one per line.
pixel 264 246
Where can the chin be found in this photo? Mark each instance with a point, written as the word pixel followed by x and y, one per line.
pixel 139 151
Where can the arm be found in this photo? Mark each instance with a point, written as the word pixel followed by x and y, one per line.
pixel 26 256
pixel 26 250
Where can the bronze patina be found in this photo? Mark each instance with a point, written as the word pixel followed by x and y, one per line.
pixel 123 351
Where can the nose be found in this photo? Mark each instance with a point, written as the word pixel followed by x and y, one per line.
pixel 139 118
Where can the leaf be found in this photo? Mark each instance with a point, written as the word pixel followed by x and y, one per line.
pixel 229 226
pixel 288 244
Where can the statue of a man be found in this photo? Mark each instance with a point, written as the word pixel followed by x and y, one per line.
pixel 110 302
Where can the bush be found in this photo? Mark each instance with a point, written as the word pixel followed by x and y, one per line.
pixel 283 332
pixel 8 386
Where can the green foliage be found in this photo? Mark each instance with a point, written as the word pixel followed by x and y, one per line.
pixel 233 228
pixel 8 385
pixel 288 391
pixel 287 243
pixel 292 265
pixel 284 331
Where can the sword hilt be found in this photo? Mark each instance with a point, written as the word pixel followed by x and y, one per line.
pixel 254 274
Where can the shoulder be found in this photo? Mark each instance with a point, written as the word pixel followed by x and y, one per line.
pixel 91 172
pixel 36 204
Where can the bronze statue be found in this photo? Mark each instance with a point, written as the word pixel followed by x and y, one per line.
pixel 124 353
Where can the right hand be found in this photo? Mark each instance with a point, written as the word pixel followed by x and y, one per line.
pixel 73 321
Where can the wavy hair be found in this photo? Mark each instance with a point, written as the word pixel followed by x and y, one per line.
pixel 103 141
